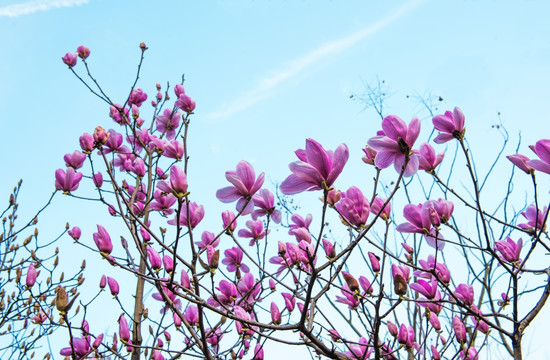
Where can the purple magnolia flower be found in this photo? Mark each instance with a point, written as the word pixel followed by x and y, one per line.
pixel 154 258
pixel 360 350
pixel 75 233
pixel 370 155
pixel 427 159
pixel 395 144
pixel 465 293
pixel 542 149
pixel 354 207
pixel 479 323
pixel 509 250
pixel 521 162
pixel 459 329
pixel 123 329
pixel 113 286
pixel 86 142
pixel 443 274
pixel 137 97
pixel 185 103
pixel 245 185
pixel 406 335
pixel 290 301
pixel 228 294
pixel 103 240
pixel 275 314
pixel 74 160
pixel 207 238
pixel 376 208
pixel 31 276
pixel 233 260
pixel 229 222
pixel 329 249
pixel 535 218
pixel 421 218
pixel 69 59
pixel 174 150
pixel 374 262
pixel 471 354
pixel 114 142
pixel 83 52
pixel 174 299
pixel 317 168
pixel 256 231
pixel 163 202
pixel 168 123
pixel 81 347
pixel 350 298
pixel 427 289
pixel 265 201
pixel 451 126
pixel 67 181
pixel 300 222
pixel 177 184
pixel 168 263
pixel 192 315
pixel 196 213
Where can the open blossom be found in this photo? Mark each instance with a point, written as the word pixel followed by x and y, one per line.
pixel 359 350
pixel 74 160
pixel 395 145
pixel 465 293
pixel 451 126
pixel 245 185
pixel 67 181
pixel 207 238
pixel 174 150
pixel 196 213
pixel 265 201
pixel 376 208
pixel 509 250
pixel 427 159
pixel 317 168
pixel 185 103
pixel 424 288
pixel 535 218
pixel 255 231
pixel 354 207
pixel 163 202
pixel 442 272
pixel 350 298
pixel 542 149
pixel 81 347
pixel 168 123
pixel 233 260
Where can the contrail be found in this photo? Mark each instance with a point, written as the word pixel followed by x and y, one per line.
pixel 298 65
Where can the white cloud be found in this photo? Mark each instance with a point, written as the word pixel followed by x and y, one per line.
pixel 296 66
pixel 30 7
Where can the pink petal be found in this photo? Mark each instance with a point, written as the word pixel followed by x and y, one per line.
pixel 394 127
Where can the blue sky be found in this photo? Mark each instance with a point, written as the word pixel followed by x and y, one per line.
pixel 265 75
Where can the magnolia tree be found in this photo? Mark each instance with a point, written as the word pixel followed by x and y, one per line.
pixel 375 271
pixel 25 306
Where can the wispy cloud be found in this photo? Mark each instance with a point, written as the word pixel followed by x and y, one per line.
pixel 30 7
pixel 265 86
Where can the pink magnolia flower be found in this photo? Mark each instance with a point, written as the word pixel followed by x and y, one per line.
pixel 443 274
pixel 31 276
pixel 265 201
pixel 67 181
pixel 86 142
pixel 40 318
pixel 174 150
pixel 370 155
pixel 113 286
pixel 427 289
pixel 509 250
pixel 255 231
pixel 451 126
pixel 350 298
pixel 69 59
pixel 103 240
pixel 81 347
pixel 376 208
pixel 163 202
pixel 207 238
pixel 465 293
pixel 168 123
pixel 229 222
pixel 329 249
pixel 275 314
pixel 360 350
pixel 521 162
pixel 392 328
pixel 535 218
pixel 75 160
pixel 227 296
pixel 395 145
pixel 185 103
pixel 374 262
pixel 119 114
pixel 75 233
pixel 174 299
pixel 177 184
pixel 479 323
pixel 317 168
pixel 196 213
pixel 192 315
pixel 299 222
pixel 290 301
pixel 137 97
pixel 542 149
pixel 233 260
pixel 83 52
pixel 245 185
pixel 97 179
pixel 470 354
pixel 114 142
pixel 354 207
pixel 123 329
pixel 168 263
pixel 406 335
pixel 154 258
pixel 427 159
pixel 460 330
